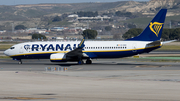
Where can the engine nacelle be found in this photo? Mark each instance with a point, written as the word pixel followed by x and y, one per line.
pixel 58 57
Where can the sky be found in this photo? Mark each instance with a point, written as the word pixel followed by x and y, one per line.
pixel 18 2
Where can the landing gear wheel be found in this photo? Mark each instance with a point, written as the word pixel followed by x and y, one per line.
pixel 20 62
pixel 80 62
pixel 88 61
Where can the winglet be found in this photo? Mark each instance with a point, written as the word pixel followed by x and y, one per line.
pixel 81 45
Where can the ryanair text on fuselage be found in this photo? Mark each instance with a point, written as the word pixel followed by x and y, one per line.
pixel 50 47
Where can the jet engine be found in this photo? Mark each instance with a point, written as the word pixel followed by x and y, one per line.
pixel 58 57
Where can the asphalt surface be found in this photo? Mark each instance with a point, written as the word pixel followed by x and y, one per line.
pixel 123 79
pixel 97 65
pixel 2 53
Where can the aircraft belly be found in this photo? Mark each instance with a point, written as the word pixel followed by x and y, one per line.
pixel 33 56
pixel 118 54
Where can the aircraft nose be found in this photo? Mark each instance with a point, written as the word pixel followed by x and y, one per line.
pixel 6 52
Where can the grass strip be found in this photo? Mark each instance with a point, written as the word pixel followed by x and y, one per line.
pixel 4 47
pixel 170 47
pixel 4 57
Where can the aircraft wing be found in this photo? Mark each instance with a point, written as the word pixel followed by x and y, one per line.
pixel 78 51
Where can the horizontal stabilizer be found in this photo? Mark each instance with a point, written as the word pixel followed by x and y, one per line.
pixel 168 41
pixel 155 43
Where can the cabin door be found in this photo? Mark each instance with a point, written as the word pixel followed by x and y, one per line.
pixel 21 49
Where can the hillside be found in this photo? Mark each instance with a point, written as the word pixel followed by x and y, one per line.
pixel 33 15
pixel 151 7
pixel 25 12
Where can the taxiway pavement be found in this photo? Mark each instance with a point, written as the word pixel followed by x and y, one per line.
pixel 104 80
pixel 98 65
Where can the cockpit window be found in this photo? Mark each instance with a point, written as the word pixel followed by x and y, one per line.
pixel 12 47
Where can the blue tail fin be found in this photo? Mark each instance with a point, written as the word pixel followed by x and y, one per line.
pixel 154 30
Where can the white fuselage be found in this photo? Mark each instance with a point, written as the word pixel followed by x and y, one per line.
pixel 93 49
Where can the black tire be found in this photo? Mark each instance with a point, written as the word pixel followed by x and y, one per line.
pixel 20 62
pixel 88 61
pixel 80 62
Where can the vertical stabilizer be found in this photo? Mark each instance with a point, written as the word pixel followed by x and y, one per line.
pixel 154 30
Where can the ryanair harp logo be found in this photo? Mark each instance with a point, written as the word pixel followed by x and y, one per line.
pixel 155 27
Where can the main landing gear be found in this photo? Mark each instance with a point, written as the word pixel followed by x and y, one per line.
pixel 19 60
pixel 88 61
pixel 80 62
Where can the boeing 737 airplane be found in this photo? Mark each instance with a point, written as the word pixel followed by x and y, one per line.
pixel 147 41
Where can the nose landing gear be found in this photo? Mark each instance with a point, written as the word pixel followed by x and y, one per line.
pixel 19 62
